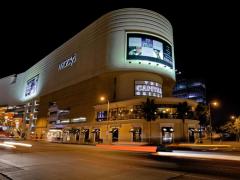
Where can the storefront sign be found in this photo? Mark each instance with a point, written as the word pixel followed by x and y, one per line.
pixel 65 121
pixel 68 62
pixel 116 126
pixel 74 120
pixel 79 119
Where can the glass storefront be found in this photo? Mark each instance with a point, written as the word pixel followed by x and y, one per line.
pixel 71 135
pixel 164 111
pixel 55 135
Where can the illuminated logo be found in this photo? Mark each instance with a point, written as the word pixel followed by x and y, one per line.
pixel 68 62
pixel 148 88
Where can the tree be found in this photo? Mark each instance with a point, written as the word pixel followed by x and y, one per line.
pixel 201 113
pixel 149 110
pixel 2 120
pixel 183 110
pixel 233 127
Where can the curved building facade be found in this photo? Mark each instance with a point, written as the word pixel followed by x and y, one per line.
pixel 125 55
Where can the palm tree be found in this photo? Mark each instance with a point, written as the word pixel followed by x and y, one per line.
pixel 149 110
pixel 183 109
pixel 201 113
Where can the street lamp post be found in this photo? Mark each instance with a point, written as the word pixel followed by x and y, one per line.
pixel 210 118
pixel 107 120
pixel 210 121
pixel 103 99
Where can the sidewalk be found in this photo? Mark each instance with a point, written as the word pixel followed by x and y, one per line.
pixel 234 144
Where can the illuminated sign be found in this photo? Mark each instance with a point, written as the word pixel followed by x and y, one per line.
pixel 68 121
pixel 148 88
pixel 80 119
pixel 31 87
pixel 65 121
pixel 149 48
pixel 68 62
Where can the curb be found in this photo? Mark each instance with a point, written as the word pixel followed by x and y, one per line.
pixel 4 176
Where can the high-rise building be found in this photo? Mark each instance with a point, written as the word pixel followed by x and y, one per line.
pixel 190 89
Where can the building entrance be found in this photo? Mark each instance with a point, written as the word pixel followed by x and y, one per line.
pixel 86 135
pixel 96 133
pixel 136 134
pixel 167 135
pixel 191 135
pixel 114 134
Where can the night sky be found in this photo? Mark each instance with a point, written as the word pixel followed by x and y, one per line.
pixel 205 37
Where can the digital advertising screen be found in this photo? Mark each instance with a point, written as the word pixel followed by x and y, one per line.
pixel 31 87
pixel 148 88
pixel 149 48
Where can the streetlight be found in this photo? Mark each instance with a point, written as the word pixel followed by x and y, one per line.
pixel 103 99
pixel 215 104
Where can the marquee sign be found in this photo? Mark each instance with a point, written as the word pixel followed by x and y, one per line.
pixel 148 88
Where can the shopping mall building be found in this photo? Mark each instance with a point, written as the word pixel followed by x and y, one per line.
pixel 125 56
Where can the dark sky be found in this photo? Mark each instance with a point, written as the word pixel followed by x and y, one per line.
pixel 206 38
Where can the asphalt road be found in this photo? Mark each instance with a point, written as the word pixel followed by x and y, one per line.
pixel 62 161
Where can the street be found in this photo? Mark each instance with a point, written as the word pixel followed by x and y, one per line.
pixel 64 161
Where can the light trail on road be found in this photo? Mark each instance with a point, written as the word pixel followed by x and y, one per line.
pixel 129 148
pixel 204 155
pixel 7 145
pixel 17 144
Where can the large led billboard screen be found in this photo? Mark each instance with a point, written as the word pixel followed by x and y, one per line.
pixel 148 88
pixel 31 87
pixel 149 48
